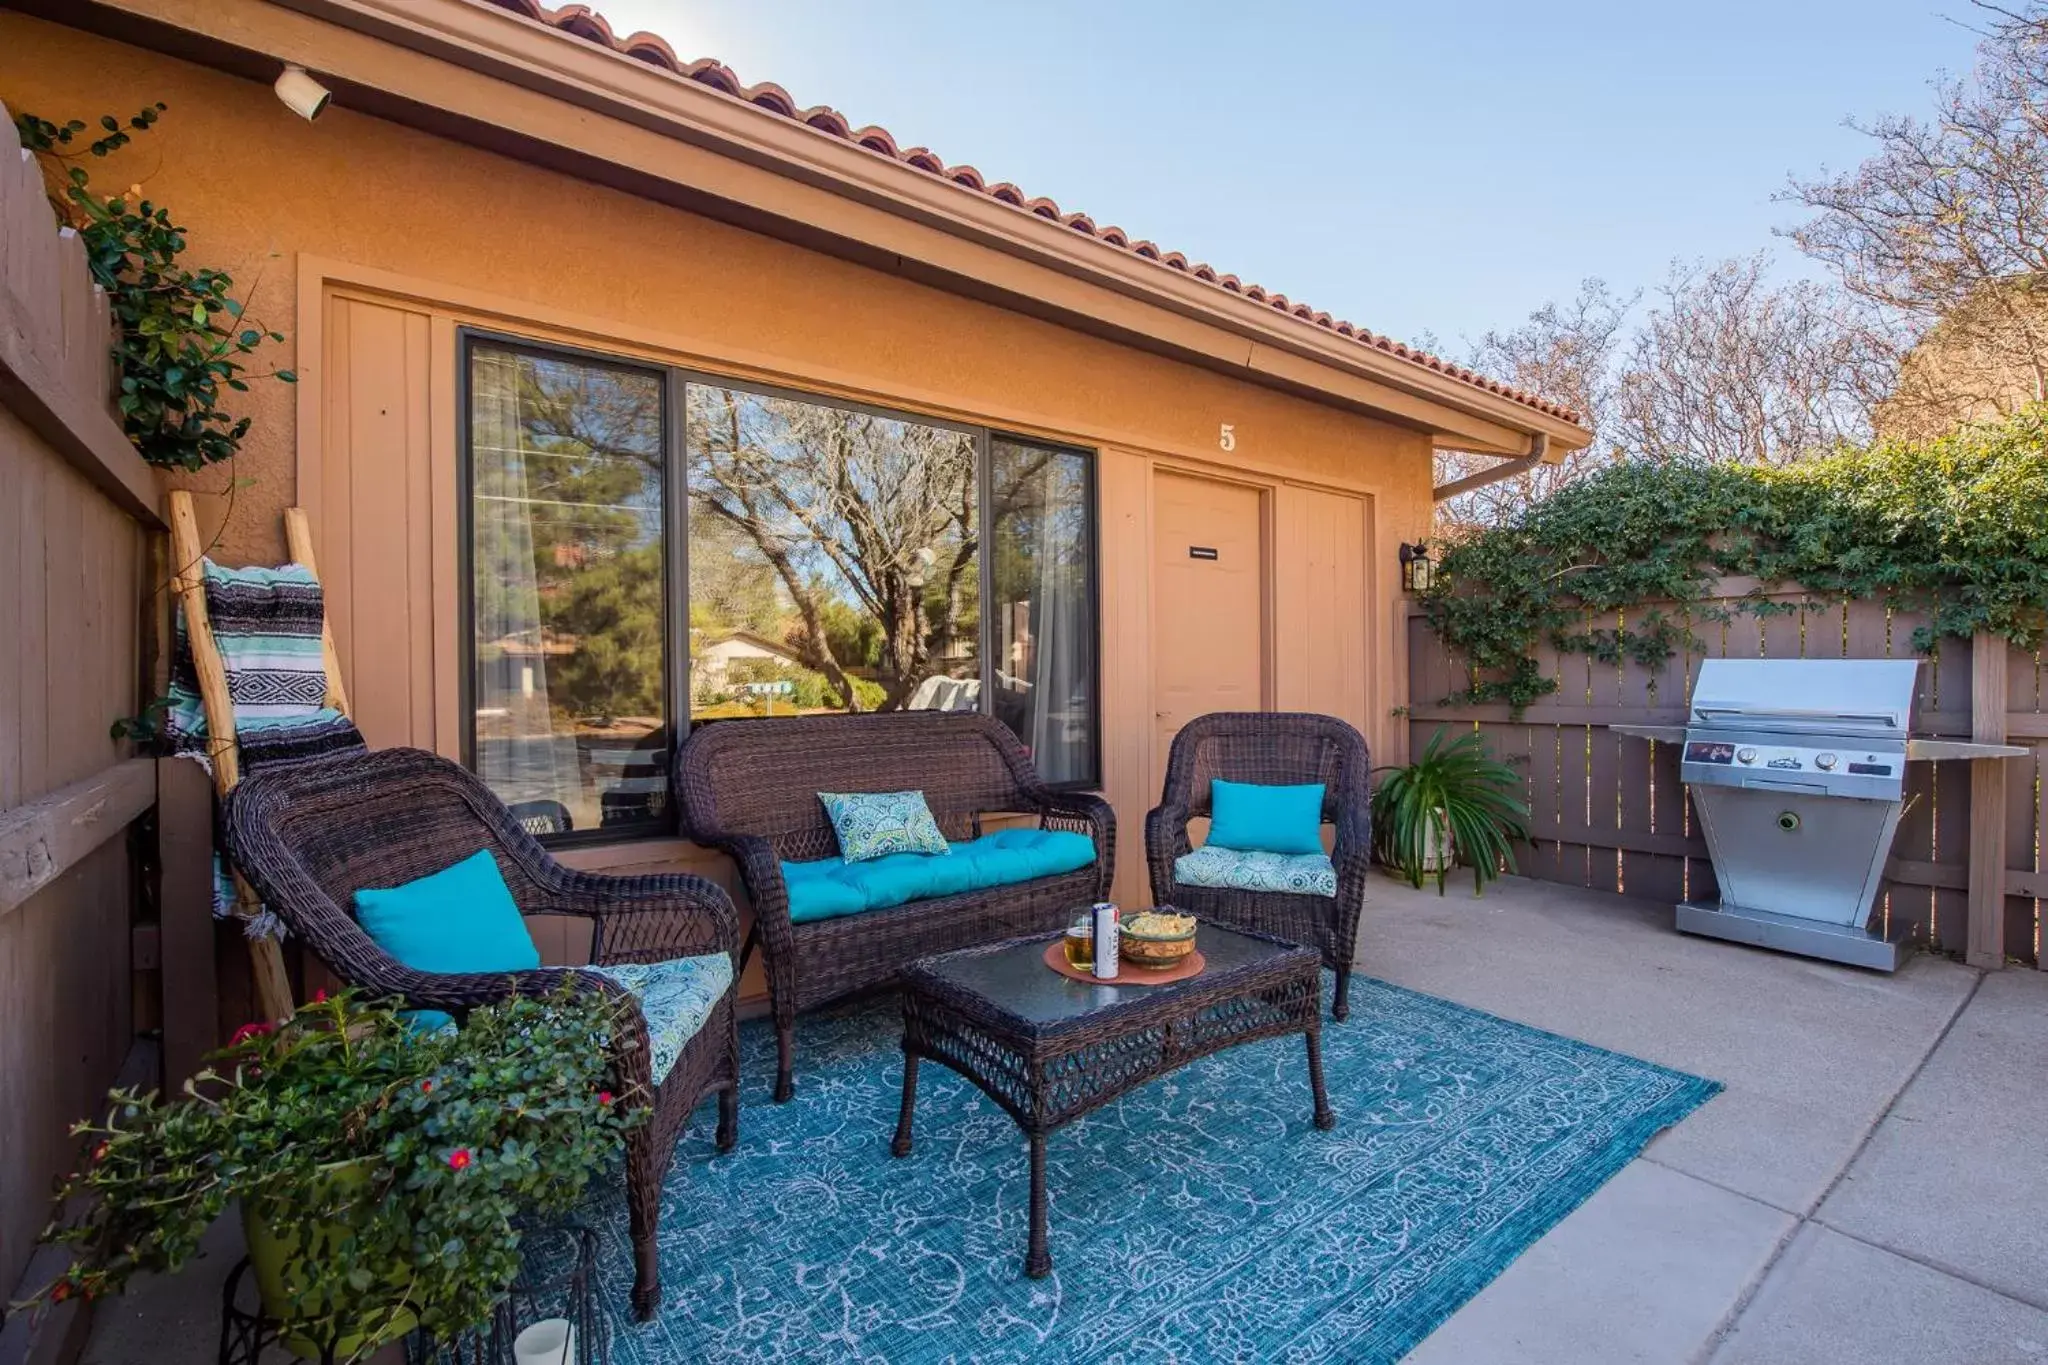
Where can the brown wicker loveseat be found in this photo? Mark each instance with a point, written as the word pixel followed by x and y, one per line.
pixel 309 838
pixel 750 788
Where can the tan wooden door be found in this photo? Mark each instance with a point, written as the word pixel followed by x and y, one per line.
pixel 1209 628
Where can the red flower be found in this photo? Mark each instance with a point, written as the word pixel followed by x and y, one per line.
pixel 459 1159
pixel 320 996
pixel 604 1097
pixel 248 1031
pixel 426 1087
pixel 99 1153
pixel 60 1291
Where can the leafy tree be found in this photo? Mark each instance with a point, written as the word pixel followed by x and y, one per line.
pixel 613 611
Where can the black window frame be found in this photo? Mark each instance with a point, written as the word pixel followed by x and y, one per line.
pixel 675 380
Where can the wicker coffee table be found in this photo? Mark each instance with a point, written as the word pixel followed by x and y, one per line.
pixel 1049 1049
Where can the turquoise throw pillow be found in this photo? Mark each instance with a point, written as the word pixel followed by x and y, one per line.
pixel 1254 817
pixel 460 919
pixel 871 824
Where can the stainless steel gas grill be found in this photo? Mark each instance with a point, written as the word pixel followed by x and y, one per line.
pixel 1798 771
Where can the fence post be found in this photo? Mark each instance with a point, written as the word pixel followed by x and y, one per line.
pixel 1986 946
pixel 184 824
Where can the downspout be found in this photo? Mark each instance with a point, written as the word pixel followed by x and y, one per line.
pixel 1539 447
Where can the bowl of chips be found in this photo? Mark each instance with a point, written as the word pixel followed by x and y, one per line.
pixel 1156 938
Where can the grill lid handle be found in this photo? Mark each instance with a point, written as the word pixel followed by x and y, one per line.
pixel 1889 720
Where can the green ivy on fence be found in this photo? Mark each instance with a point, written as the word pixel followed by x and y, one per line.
pixel 1957 527
pixel 182 334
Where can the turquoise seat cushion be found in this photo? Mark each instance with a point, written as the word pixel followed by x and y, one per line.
pixel 1294 874
pixel 1256 817
pixel 676 997
pixel 829 887
pixel 876 824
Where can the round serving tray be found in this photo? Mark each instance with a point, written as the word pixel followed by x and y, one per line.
pixel 1127 975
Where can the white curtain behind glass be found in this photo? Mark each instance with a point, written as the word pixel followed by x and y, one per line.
pixel 1050 580
pixel 519 753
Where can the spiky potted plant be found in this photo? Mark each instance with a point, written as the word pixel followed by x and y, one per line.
pixel 381 1170
pixel 1455 800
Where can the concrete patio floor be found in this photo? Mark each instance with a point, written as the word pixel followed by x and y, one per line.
pixel 1871 1187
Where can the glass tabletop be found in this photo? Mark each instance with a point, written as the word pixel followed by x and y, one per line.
pixel 1014 976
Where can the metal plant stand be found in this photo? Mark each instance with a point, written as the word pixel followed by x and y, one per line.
pixel 247 1337
pixel 244 1332
pixel 559 1280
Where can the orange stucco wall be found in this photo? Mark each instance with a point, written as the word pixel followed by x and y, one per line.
pixel 475 235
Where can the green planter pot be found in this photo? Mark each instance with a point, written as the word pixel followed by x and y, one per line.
pixel 270 1252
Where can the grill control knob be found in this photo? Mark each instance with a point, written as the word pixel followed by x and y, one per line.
pixel 1824 762
pixel 1745 755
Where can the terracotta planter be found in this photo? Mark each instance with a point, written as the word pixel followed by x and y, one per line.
pixel 270 1251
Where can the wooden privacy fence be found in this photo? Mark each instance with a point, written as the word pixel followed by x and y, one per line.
pixel 1966 873
pixel 77 512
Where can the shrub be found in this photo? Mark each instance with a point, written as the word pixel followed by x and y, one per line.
pixel 455 1132
pixel 1957 527
pixel 182 334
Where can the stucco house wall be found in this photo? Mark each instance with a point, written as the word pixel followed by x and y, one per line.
pixel 370 244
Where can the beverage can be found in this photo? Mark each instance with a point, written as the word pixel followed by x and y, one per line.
pixel 1107 933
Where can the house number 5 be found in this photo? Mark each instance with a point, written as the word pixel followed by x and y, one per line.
pixel 1227 437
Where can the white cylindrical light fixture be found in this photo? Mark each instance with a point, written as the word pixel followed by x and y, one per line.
pixel 302 94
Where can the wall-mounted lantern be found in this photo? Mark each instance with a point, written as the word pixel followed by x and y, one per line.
pixel 1417 572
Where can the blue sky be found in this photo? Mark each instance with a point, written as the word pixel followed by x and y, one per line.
pixel 1410 166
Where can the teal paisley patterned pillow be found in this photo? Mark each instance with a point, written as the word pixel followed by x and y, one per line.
pixel 871 824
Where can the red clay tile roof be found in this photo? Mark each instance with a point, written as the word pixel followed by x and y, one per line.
pixel 581 21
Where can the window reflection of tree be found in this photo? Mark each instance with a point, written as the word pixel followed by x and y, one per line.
pixel 866 525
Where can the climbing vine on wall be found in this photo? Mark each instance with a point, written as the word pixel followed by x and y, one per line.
pixel 1957 527
pixel 182 334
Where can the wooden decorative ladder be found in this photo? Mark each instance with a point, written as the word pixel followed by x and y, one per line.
pixel 273 986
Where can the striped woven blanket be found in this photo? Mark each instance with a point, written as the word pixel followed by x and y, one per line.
pixel 266 623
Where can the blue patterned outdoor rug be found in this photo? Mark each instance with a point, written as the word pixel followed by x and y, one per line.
pixel 1201 1218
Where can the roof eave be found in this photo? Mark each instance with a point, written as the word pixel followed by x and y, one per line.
pixel 495 43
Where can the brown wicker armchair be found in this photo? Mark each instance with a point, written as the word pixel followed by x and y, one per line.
pixel 309 838
pixel 750 788
pixel 1273 747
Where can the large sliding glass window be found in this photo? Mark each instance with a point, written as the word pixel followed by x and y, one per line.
pixel 567 609
pixel 839 560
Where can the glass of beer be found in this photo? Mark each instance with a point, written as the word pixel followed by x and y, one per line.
pixel 1081 945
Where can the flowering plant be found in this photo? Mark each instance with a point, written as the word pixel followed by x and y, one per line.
pixel 443 1138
